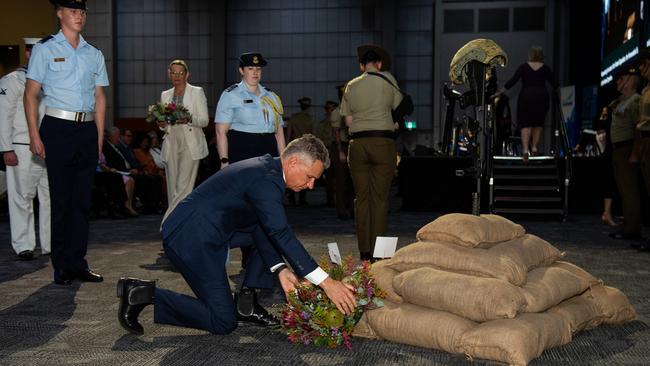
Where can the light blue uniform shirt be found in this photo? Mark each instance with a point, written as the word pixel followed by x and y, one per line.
pixel 68 76
pixel 247 112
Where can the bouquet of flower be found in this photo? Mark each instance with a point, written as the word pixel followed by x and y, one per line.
pixel 310 317
pixel 166 112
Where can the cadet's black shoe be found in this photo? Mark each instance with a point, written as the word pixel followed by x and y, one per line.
pixel 134 296
pixel 88 276
pixel 26 255
pixel 249 310
pixel 62 277
pixel 365 256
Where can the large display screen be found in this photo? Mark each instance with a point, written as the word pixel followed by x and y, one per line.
pixel 620 35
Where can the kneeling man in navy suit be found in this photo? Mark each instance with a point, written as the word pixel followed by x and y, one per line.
pixel 237 204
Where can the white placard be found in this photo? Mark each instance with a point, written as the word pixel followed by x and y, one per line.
pixel 385 246
pixel 335 255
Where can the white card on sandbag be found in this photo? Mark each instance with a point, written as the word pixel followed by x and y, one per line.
pixel 385 246
pixel 335 255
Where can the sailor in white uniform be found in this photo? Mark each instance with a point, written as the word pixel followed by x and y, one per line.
pixel 26 172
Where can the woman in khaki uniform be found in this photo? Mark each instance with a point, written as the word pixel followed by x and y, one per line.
pixel 367 105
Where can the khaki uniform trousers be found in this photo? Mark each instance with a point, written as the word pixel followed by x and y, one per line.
pixel 372 163
pixel 180 168
pixel 627 181
pixel 343 192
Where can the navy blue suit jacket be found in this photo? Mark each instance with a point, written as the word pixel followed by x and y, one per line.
pixel 246 197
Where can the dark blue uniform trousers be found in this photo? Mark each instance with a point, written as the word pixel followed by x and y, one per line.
pixel 202 263
pixel 71 155
pixel 245 145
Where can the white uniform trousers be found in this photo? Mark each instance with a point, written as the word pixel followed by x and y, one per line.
pixel 180 168
pixel 23 182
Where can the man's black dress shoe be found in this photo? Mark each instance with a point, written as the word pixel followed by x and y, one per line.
pixel 134 296
pixel 62 277
pixel 88 276
pixel 26 255
pixel 249 310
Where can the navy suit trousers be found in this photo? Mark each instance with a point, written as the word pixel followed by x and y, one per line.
pixel 71 158
pixel 201 262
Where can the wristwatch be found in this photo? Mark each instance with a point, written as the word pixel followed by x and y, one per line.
pixel 280 268
pixel 224 160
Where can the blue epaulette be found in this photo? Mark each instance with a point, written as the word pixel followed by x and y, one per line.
pixel 231 88
pixel 46 38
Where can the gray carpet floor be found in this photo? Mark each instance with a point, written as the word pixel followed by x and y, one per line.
pixel 45 324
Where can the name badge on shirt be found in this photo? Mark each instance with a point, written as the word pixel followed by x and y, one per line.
pixel 59 59
pixel 246 101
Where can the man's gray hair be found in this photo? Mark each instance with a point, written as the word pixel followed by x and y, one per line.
pixel 310 148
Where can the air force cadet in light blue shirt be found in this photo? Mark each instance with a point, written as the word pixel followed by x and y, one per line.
pixel 72 75
pixel 68 76
pixel 247 112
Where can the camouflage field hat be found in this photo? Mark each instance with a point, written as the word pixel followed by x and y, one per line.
pixel 483 50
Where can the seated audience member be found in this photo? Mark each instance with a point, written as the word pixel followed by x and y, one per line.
pixel 147 187
pixel 125 145
pixel 118 189
pixel 147 162
pixel 144 156
pixel 155 150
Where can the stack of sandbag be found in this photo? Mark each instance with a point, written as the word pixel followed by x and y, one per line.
pixel 483 287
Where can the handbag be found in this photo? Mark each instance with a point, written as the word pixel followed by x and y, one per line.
pixel 405 107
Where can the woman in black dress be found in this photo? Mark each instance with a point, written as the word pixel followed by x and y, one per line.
pixel 533 101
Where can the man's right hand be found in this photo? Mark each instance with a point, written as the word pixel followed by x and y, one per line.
pixel 341 294
pixel 36 147
pixel 10 158
pixel 288 280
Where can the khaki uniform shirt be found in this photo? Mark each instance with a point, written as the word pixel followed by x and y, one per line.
pixel 323 130
pixel 369 99
pixel 624 118
pixel 644 124
pixel 299 124
pixel 338 124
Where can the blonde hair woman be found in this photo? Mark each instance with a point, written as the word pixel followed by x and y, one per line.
pixel 534 100
pixel 184 142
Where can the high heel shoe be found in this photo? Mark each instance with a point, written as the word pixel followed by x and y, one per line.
pixel 524 158
pixel 608 220
pixel 130 212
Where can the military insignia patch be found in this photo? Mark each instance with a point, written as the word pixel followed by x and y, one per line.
pixel 256 60
pixel 3 91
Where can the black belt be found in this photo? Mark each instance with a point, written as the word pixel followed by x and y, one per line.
pixel 645 133
pixel 374 133
pixel 622 143
pixel 253 133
